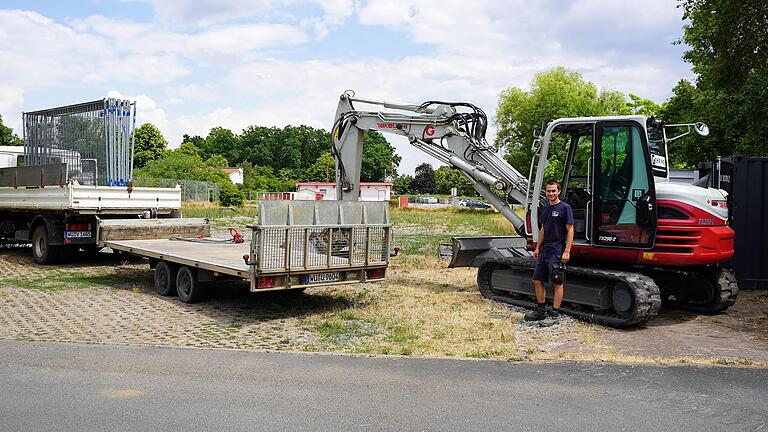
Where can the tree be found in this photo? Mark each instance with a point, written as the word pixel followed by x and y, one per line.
pixel 230 195
pixel 255 146
pixel 379 158
pixel 7 137
pixel 323 170
pixel 447 178
pixel 729 53
pixel 554 94
pixel 221 141
pixel 646 107
pixel 402 184
pixel 149 145
pixel 424 179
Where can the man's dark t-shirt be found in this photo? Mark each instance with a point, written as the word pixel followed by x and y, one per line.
pixel 554 218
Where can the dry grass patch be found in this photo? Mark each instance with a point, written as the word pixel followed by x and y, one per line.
pixel 425 313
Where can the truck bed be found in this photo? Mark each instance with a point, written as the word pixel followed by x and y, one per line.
pixel 90 199
pixel 224 258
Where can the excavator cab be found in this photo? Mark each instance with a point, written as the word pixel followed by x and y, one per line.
pixel 607 179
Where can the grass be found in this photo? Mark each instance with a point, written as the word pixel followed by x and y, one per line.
pixel 62 281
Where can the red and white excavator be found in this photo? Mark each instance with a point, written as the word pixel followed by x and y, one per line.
pixel 639 238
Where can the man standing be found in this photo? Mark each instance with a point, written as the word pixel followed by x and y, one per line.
pixel 552 250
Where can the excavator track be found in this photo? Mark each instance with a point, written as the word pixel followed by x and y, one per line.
pixel 611 297
pixel 707 291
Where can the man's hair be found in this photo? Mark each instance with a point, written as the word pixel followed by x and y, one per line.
pixel 553 182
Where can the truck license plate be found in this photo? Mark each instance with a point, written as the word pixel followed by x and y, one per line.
pixel 322 278
pixel 77 234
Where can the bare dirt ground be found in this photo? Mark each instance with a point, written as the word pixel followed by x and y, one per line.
pixel 427 310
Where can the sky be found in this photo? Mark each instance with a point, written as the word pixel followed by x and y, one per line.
pixel 193 65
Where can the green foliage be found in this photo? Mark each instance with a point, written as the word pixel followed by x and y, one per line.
pixel 7 137
pixel 231 196
pixel 554 94
pixel 323 170
pixel 221 141
pixel 646 107
pixel 424 179
pixel 149 145
pixel 729 53
pixel 217 161
pixel 447 178
pixel 402 184
pixel 379 158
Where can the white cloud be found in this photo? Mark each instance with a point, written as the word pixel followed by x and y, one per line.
pixel 229 63
pixel 11 99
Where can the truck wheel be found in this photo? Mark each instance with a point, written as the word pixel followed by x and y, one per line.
pixel 165 278
pixel 188 286
pixel 42 250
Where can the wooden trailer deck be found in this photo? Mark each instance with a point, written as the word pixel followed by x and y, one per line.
pixel 224 258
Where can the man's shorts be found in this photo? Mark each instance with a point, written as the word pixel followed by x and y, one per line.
pixel 544 264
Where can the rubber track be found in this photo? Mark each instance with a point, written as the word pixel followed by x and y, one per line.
pixel 727 292
pixel 645 290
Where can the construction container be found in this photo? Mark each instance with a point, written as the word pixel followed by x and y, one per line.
pixel 745 178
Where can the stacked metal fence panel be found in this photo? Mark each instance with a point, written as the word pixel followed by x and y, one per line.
pixel 95 139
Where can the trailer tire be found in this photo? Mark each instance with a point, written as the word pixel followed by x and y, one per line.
pixel 165 278
pixel 188 286
pixel 42 251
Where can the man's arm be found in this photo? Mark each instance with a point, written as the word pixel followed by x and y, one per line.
pixel 539 243
pixel 568 242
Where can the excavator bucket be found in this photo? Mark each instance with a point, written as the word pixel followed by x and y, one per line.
pixel 466 250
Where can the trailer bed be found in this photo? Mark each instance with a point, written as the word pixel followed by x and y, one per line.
pixel 224 258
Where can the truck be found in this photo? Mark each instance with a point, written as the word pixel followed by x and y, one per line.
pixel 41 205
pixel 640 239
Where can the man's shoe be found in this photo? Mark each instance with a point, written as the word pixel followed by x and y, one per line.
pixel 537 314
pixel 552 313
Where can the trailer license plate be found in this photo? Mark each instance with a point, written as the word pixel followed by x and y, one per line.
pixel 322 278
pixel 77 234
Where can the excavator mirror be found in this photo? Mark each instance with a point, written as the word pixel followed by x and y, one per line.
pixel 701 129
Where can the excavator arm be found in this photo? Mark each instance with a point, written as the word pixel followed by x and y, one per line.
pixel 451 132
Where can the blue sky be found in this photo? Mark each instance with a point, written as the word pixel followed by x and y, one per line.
pixel 193 65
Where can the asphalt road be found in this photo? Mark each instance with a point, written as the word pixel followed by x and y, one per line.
pixel 56 386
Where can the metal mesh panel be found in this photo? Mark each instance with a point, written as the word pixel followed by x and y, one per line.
pixel 95 139
pixel 360 236
pixel 378 250
pixel 313 247
pixel 191 190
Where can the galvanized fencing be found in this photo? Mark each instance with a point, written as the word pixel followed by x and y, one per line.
pixel 191 190
pixel 95 139
pixel 311 247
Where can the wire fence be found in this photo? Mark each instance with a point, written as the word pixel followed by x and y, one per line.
pixel 95 139
pixel 191 190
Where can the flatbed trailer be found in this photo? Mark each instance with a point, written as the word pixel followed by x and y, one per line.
pixel 296 245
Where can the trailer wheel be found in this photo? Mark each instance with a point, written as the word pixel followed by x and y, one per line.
pixel 42 250
pixel 188 286
pixel 165 278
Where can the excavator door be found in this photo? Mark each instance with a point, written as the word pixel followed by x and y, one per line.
pixel 623 208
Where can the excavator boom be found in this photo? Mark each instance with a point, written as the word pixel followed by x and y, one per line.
pixel 451 132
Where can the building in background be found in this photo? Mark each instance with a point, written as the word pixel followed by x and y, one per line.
pixel 369 191
pixel 235 174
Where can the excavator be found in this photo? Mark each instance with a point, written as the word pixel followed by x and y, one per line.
pixel 640 239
